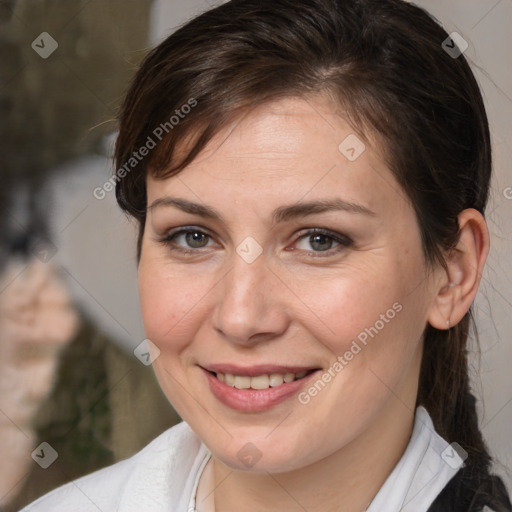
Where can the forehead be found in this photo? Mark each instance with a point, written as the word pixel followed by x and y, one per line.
pixel 285 129
pixel 287 149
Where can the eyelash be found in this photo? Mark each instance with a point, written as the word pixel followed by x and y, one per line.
pixel 343 241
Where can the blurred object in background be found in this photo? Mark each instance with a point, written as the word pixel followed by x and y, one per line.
pixel 67 378
pixel 106 404
pixel 36 320
pixel 96 244
pixel 59 106
pixel 104 407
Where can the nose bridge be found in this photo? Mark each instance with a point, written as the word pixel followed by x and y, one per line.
pixel 245 307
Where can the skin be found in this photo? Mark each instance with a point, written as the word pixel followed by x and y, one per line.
pixel 289 307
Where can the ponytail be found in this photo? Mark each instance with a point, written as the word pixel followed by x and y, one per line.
pixel 444 390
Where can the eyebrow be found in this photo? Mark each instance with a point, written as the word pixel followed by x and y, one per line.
pixel 281 214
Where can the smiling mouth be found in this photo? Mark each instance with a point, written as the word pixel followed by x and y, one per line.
pixel 258 382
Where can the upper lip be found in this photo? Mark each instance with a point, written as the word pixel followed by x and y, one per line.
pixel 255 370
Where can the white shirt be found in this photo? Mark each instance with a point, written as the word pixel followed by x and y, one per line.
pixel 164 477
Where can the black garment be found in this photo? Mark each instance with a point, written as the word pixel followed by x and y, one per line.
pixel 460 495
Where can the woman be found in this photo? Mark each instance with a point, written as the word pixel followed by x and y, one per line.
pixel 309 180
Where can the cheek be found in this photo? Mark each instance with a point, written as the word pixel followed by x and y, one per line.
pixel 370 320
pixel 169 304
pixel 342 309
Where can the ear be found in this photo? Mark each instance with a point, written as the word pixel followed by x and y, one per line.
pixel 457 286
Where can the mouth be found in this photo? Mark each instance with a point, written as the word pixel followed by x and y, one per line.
pixel 256 389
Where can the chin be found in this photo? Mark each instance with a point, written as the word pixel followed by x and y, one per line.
pixel 248 454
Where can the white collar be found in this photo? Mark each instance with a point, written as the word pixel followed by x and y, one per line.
pixel 423 471
pixel 425 468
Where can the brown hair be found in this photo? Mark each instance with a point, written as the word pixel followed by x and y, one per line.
pixel 383 62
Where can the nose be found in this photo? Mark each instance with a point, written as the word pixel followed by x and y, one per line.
pixel 250 307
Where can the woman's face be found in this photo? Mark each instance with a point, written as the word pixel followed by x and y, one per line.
pixel 285 248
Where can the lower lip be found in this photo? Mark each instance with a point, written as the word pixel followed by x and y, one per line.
pixel 254 400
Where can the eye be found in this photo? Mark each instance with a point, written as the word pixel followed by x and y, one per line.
pixel 192 239
pixel 189 240
pixel 322 241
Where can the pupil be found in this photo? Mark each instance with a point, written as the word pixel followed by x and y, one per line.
pixel 322 247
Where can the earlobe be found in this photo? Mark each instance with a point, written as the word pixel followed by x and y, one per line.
pixel 464 266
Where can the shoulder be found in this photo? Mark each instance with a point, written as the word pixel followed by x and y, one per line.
pixel 151 478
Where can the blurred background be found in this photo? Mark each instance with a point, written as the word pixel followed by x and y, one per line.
pixel 69 315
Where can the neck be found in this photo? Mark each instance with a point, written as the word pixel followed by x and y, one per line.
pixel 350 477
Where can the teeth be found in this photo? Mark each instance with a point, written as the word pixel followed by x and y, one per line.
pixel 242 382
pixel 260 381
pixel 276 379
